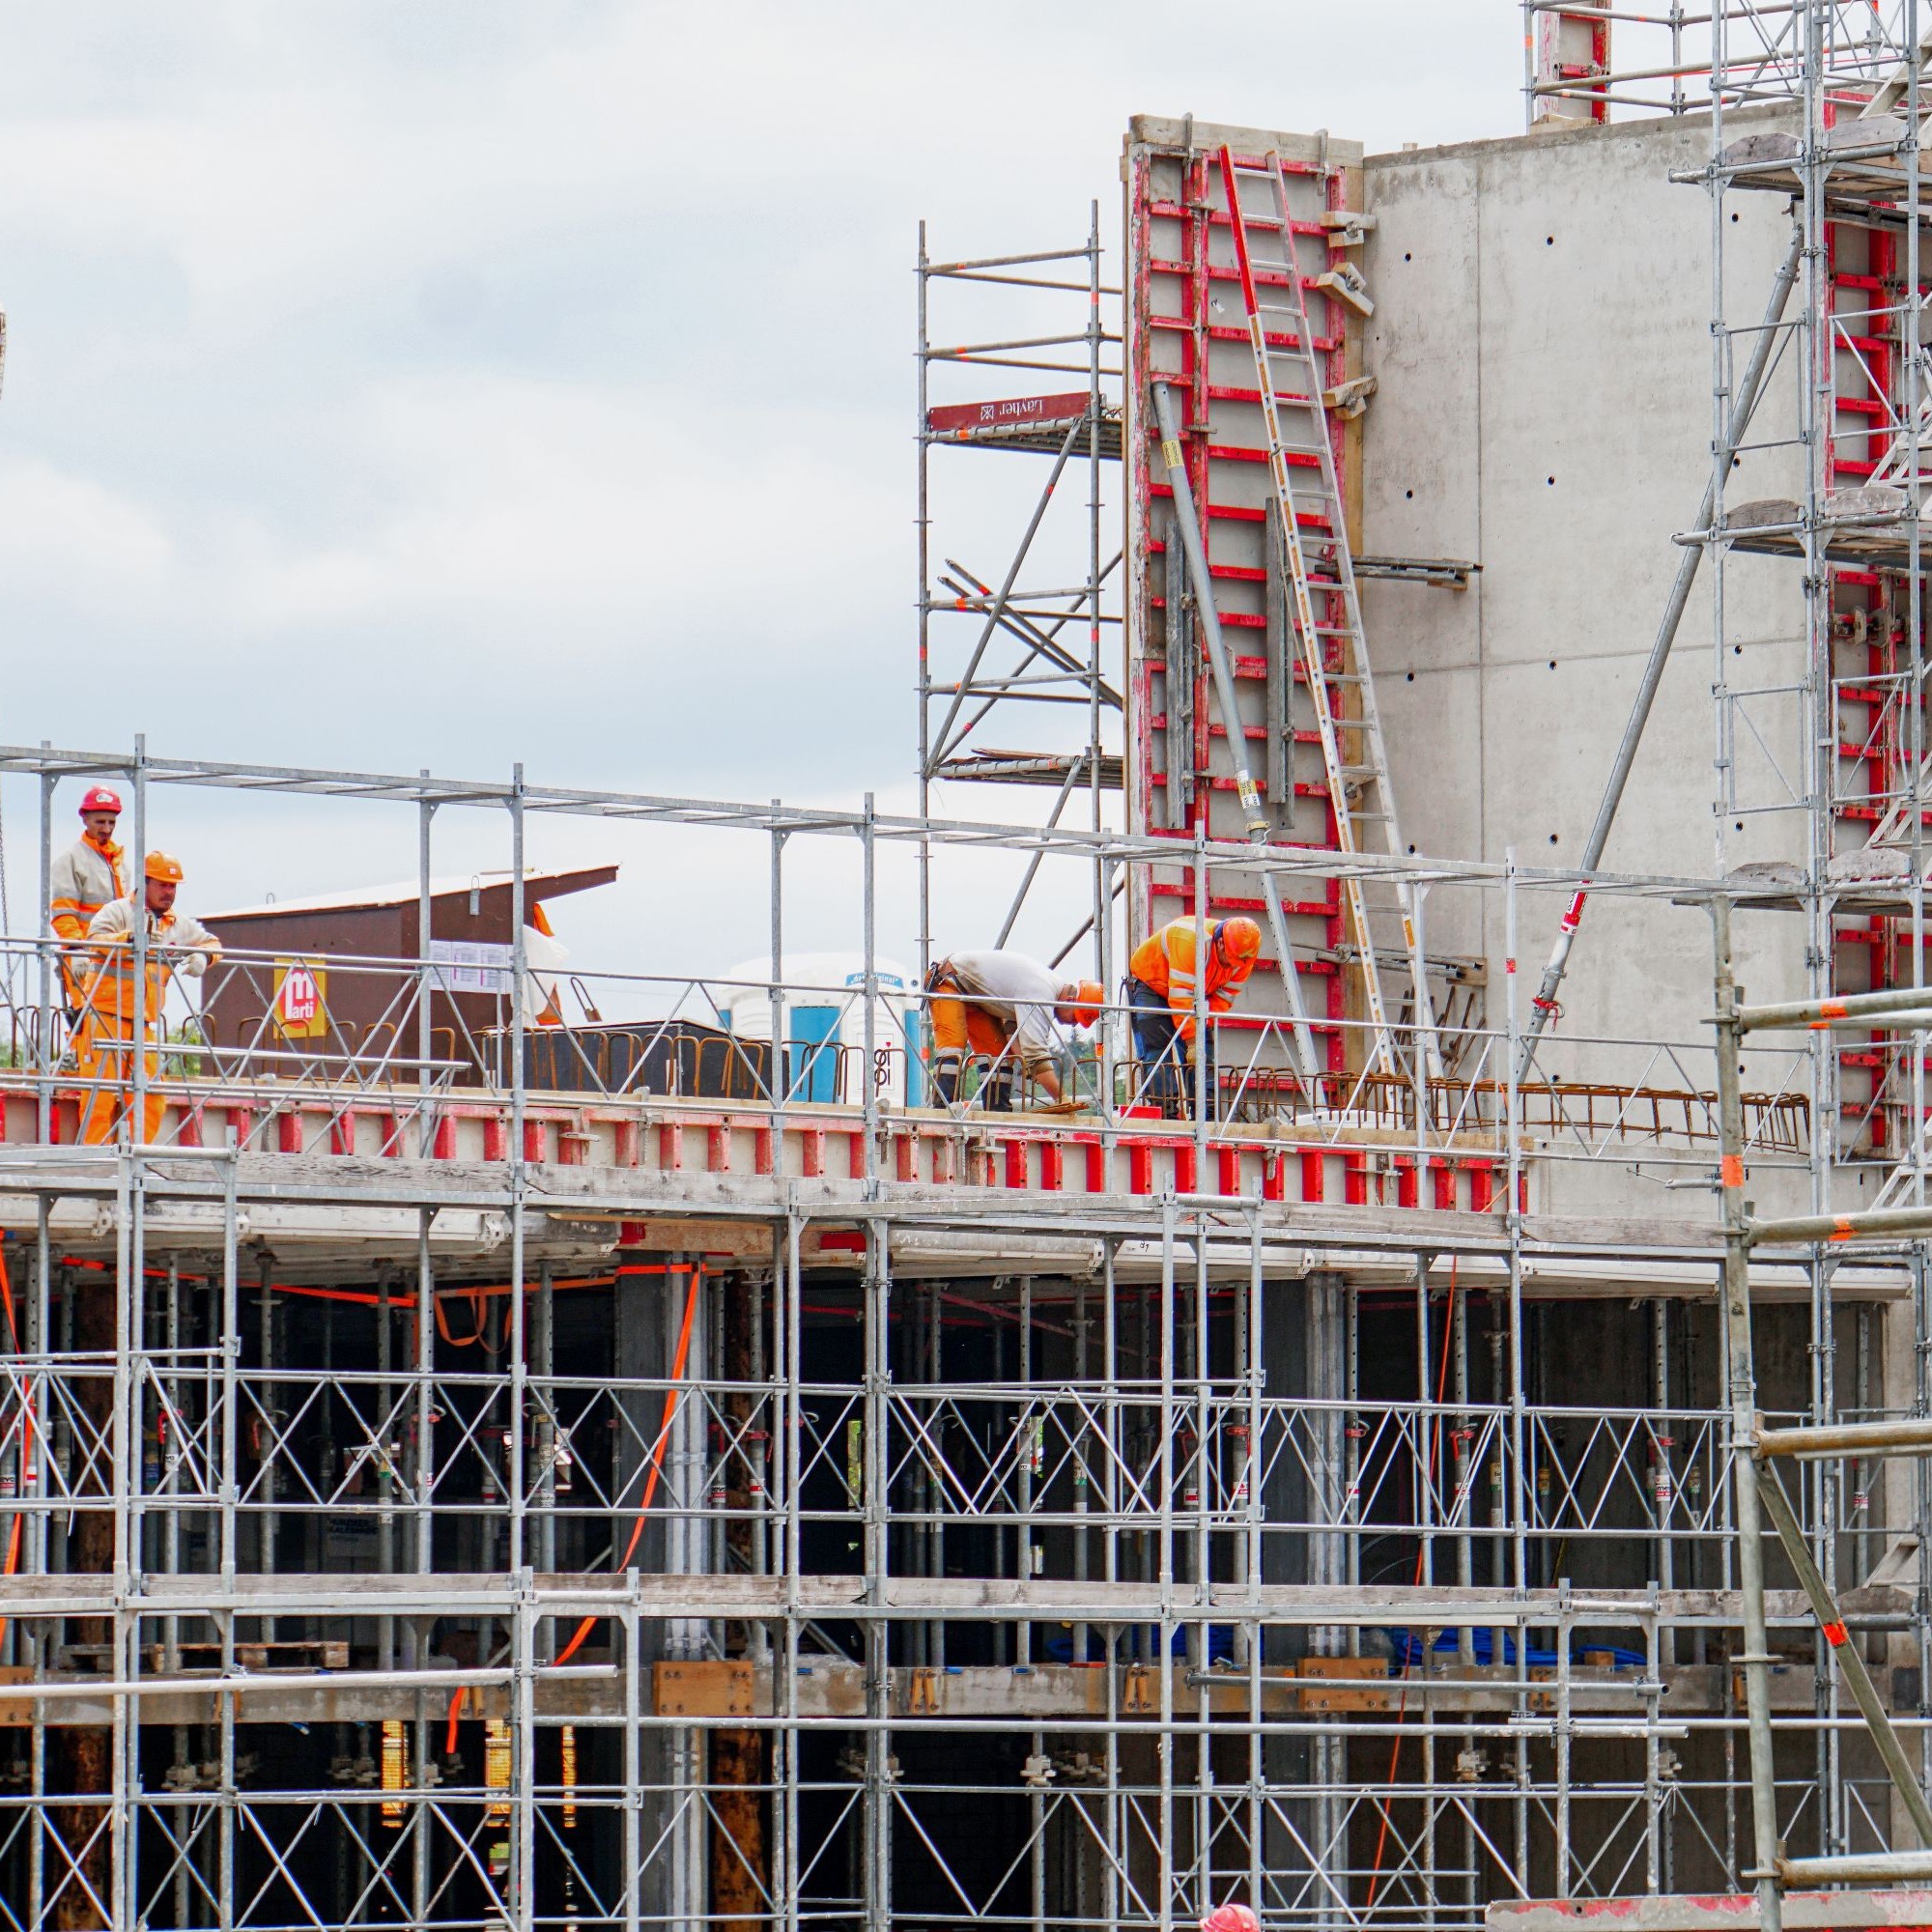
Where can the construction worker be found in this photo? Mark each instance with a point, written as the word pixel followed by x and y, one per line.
pixel 1161 985
pixel 997 1004
pixel 103 1043
pixel 84 878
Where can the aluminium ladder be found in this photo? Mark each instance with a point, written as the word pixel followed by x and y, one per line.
pixel 1321 578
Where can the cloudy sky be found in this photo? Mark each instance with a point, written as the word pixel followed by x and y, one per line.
pixel 441 385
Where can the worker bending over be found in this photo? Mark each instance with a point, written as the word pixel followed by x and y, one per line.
pixel 104 1042
pixel 1162 986
pixel 997 1004
pixel 84 878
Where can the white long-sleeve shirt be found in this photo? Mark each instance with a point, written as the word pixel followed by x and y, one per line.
pixel 1019 992
pixel 181 941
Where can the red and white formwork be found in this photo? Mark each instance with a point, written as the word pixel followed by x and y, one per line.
pixel 1871 694
pixel 1185 325
pixel 675 1141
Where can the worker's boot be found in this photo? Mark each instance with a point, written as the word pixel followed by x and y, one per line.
pixel 945 1068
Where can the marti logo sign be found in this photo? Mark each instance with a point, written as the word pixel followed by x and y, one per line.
pixel 300 996
pixel 299 999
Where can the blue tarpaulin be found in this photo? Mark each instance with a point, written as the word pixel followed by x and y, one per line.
pixel 1405 1650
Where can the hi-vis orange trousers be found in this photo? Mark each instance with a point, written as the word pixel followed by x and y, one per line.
pixel 103 1051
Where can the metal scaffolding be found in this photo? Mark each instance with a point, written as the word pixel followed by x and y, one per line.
pixel 435 1503
pixel 474 1473
pixel 1823 411
pixel 1027 652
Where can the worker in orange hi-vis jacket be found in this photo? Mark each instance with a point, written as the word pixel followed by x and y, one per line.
pixel 104 1041
pixel 1161 983
pixel 83 879
pixel 998 1004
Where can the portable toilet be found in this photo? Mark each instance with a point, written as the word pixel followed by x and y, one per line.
pixel 825 1023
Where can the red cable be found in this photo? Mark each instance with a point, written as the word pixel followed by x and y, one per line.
pixel 672 1395
pixel 1428 1481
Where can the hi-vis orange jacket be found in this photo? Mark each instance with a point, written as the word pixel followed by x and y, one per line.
pixel 83 879
pixel 1165 961
pixel 176 944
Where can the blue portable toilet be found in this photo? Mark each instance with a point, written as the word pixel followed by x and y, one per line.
pixel 813 1033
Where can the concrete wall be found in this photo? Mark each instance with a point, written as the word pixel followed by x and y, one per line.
pixel 1542 350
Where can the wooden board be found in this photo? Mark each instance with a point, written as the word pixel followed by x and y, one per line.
pixel 706 1688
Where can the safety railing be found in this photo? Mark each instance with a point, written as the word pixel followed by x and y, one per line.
pixel 398 1036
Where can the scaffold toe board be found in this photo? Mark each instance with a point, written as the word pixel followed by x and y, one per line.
pixel 1868 527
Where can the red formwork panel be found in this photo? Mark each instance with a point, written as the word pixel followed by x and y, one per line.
pixel 1185 325
pixel 1572 49
pixel 1870 649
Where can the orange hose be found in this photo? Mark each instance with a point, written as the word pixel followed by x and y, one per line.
pixel 475 1297
pixel 672 1395
pixel 1402 1702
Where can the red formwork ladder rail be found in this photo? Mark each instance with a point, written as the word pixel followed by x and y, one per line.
pixel 1324 606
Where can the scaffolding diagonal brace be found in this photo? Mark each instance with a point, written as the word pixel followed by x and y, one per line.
pixel 1864 1693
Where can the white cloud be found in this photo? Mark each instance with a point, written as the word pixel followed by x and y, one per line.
pixel 451 383
pixel 535 500
pixel 70 537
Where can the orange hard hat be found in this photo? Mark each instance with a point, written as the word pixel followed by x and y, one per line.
pixel 163 865
pixel 1089 997
pixel 98 798
pixel 1241 939
pixel 1231 1918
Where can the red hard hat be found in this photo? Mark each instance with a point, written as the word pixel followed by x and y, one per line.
pixel 97 798
pixel 1231 1918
